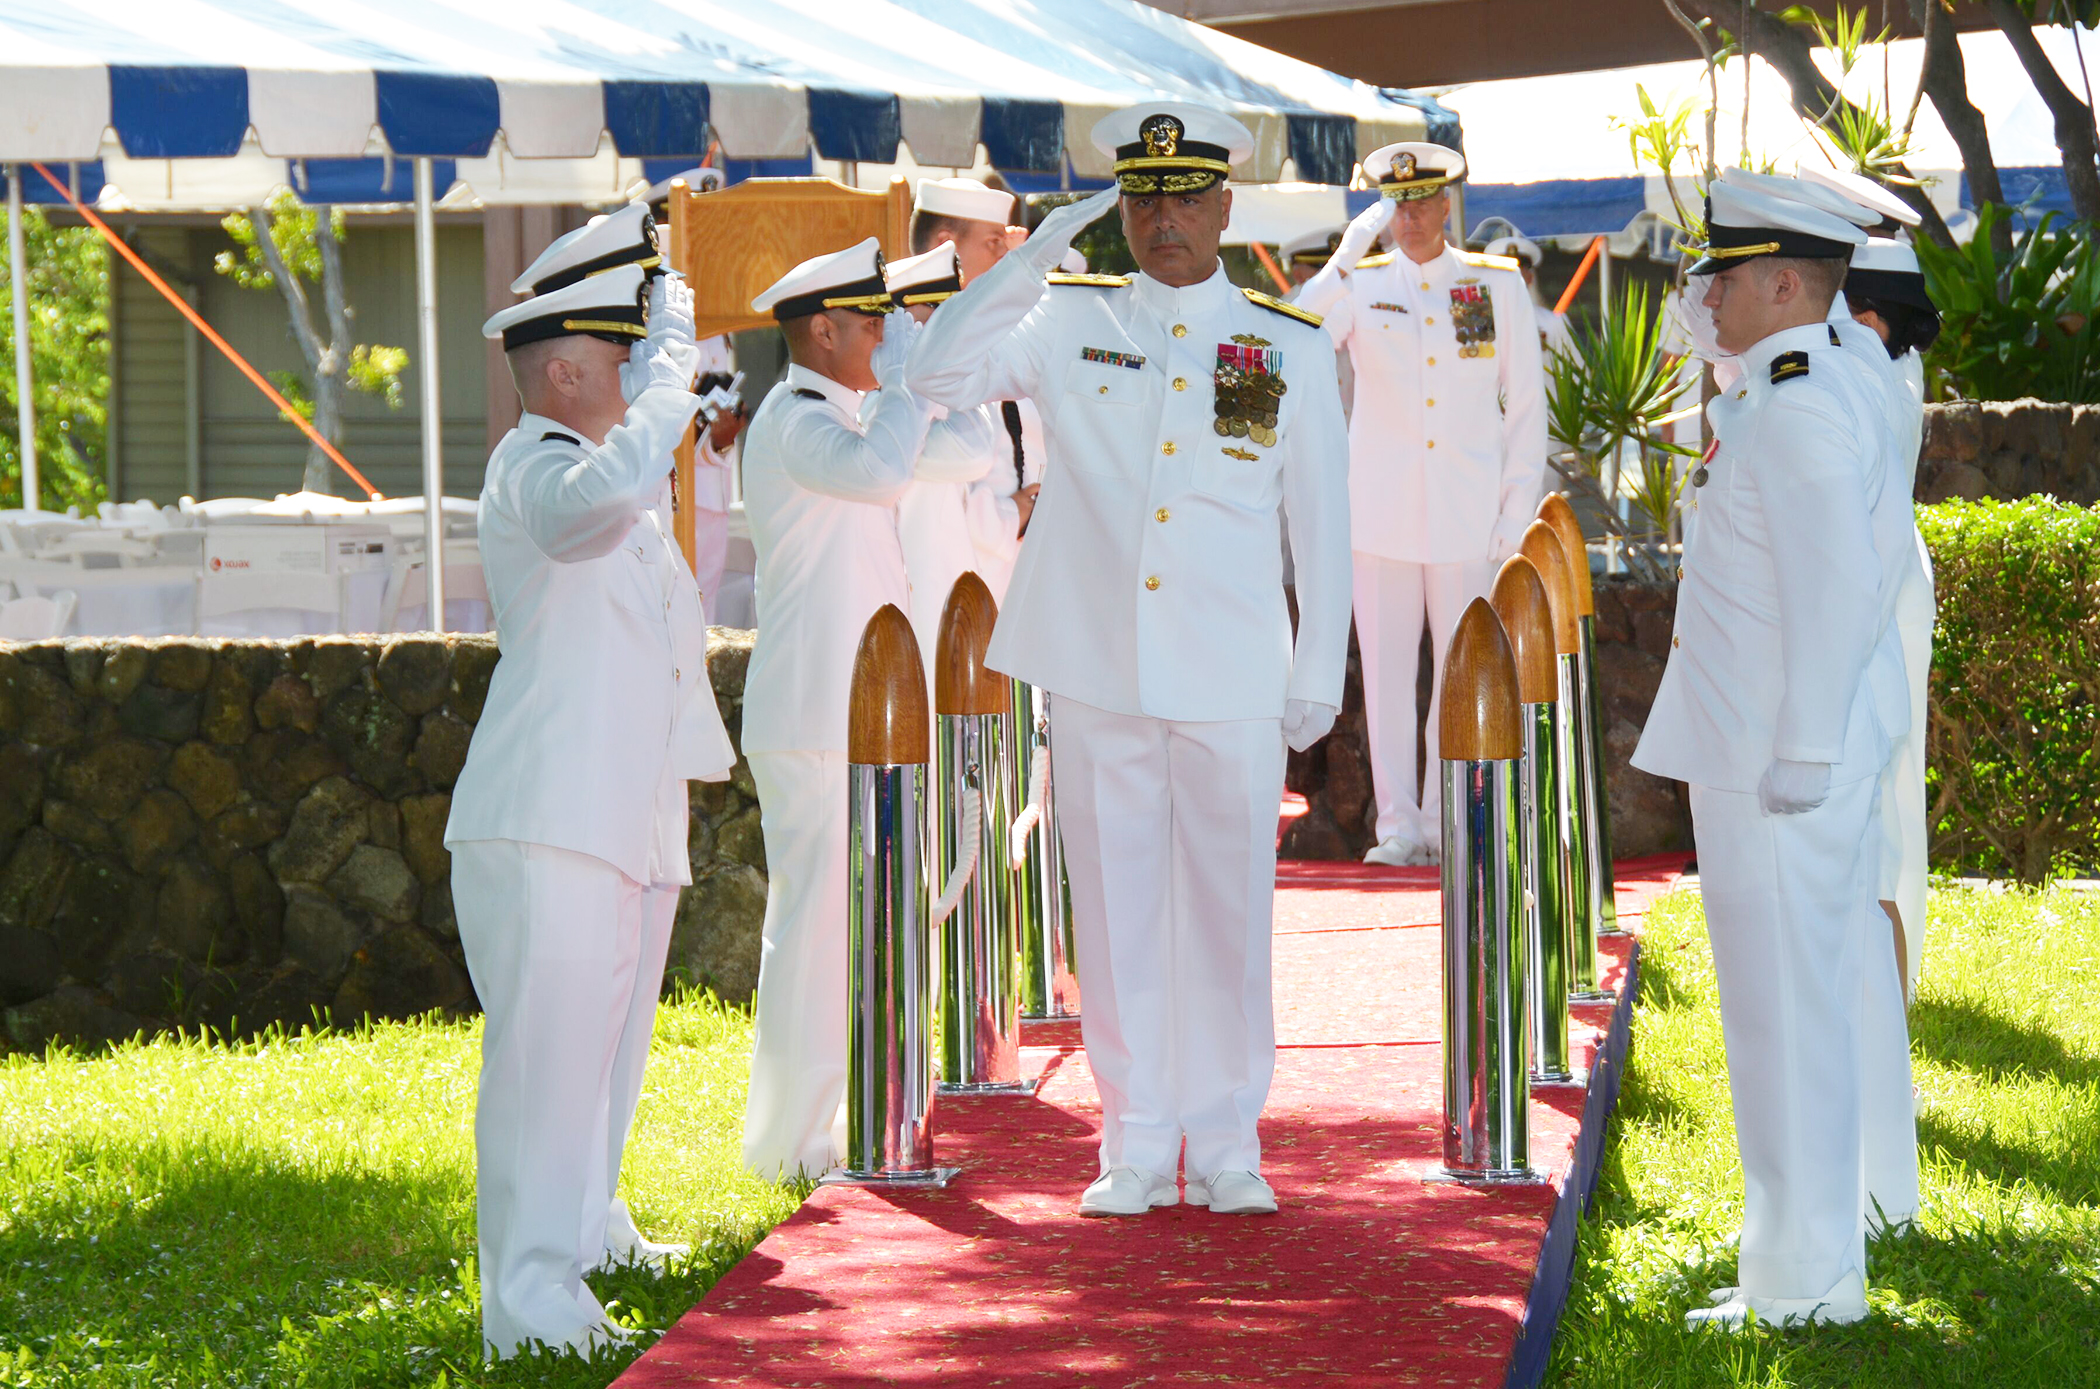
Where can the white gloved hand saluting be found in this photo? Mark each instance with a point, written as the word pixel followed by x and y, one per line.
pixel 1789 788
pixel 1047 245
pixel 898 330
pixel 1362 234
pixel 671 305
pixel 668 355
pixel 1306 723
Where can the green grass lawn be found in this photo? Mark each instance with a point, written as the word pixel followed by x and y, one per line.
pixel 2000 1284
pixel 301 1212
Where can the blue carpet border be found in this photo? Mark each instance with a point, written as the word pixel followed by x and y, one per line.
pixel 1555 1273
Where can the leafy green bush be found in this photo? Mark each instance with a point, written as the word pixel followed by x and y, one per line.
pixel 2013 742
pixel 69 366
pixel 2023 326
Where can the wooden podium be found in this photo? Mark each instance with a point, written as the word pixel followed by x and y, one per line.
pixel 732 244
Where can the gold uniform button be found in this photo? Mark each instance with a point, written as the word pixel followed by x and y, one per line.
pixel 1181 330
pixel 1161 515
pixel 1152 583
pixel 1167 447
pixel 1103 390
pixel 1432 400
pixel 1432 443
pixel 1676 642
pixel 1429 318
pixel 1181 383
pixel 1680 573
pixel 1425 284
pixel 1432 361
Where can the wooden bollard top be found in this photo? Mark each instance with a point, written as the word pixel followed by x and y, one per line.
pixel 1542 547
pixel 1480 719
pixel 1557 512
pixel 961 683
pixel 1519 599
pixel 886 719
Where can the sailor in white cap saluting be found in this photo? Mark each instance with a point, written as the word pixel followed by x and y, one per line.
pixel 1447 454
pixel 829 452
pixel 1783 692
pixel 1181 412
pixel 568 823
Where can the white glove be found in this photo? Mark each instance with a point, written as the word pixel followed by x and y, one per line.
pixel 1306 723
pixel 671 305
pixel 1508 537
pixel 1362 234
pixel 1046 247
pixel 1789 788
pixel 898 330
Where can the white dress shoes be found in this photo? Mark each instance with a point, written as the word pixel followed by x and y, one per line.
pixel 1396 851
pixel 1127 1191
pixel 1232 1193
pixel 1844 1304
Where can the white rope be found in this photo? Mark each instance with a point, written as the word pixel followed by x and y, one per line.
pixel 968 838
pixel 1031 814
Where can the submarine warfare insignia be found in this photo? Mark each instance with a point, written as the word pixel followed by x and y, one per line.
pixel 1473 315
pixel 1250 388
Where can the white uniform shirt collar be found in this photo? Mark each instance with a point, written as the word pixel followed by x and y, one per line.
pixel 1173 305
pixel 1757 361
pixel 1442 266
pixel 801 378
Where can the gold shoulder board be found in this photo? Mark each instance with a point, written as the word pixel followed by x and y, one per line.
pixel 1492 262
pixel 1091 281
pixel 1382 258
pixel 1275 305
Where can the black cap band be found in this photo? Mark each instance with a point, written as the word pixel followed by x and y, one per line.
pixel 870 296
pixel 1897 286
pixel 619 323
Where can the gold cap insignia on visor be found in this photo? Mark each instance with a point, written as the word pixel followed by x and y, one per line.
pixel 1162 136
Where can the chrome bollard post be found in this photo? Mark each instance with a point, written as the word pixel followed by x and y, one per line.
pixel 889 1083
pixel 980 1023
pixel 1049 988
pixel 1486 1028
pixel 1589 715
pixel 1520 601
pixel 1541 545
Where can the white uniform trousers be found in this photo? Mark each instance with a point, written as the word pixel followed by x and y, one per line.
pixel 1170 842
pixel 1392 598
pixel 710 557
pixel 798 1062
pixel 567 957
pixel 1812 1016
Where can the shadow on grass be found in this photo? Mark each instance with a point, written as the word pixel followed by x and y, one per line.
pixel 1961 1033
pixel 229 1268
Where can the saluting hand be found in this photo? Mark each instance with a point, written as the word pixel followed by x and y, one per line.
pixel 1054 237
pixel 1362 234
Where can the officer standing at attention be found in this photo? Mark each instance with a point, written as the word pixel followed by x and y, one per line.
pixel 1783 692
pixel 568 823
pixel 1181 413
pixel 1447 454
pixel 829 452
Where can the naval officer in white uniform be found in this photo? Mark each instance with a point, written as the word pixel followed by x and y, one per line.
pixel 1181 413
pixel 1447 454
pixel 568 823
pixel 1783 692
pixel 829 452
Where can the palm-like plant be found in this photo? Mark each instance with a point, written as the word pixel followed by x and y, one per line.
pixel 1621 388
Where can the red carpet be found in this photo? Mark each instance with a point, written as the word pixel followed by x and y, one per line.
pixel 1367 1276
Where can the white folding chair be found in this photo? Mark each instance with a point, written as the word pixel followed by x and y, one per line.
pixel 38 617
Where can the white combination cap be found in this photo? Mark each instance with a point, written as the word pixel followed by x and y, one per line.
pixel 1414 169
pixel 1744 222
pixel 1866 192
pixel 1313 247
pixel 1817 195
pixel 609 305
pixel 625 237
pixel 965 199
pixel 925 279
pixel 1887 269
pixel 700 180
pixel 1519 247
pixel 848 279
pixel 1171 146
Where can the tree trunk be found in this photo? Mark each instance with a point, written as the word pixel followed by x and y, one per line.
pixel 1946 80
pixel 2075 138
pixel 332 371
pixel 1786 47
pixel 327 403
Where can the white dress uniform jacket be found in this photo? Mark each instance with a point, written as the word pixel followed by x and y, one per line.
pixel 601 710
pixel 1158 530
pixel 1443 448
pixel 934 521
pixel 1802 541
pixel 712 493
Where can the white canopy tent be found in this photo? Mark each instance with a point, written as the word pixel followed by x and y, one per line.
pixel 212 104
pixel 1543 153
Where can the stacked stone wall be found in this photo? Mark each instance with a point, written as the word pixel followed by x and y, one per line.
pixel 2009 449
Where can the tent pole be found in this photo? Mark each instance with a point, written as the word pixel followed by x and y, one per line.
pixel 18 284
pixel 433 413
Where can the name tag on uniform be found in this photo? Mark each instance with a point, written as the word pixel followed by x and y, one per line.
pixel 1112 359
pixel 1390 308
